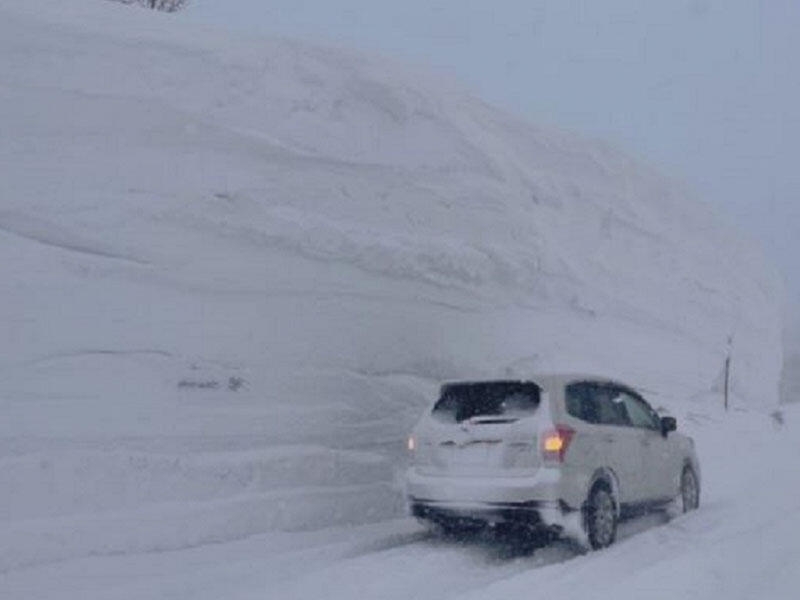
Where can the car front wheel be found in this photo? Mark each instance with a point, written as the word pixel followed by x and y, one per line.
pixel 690 489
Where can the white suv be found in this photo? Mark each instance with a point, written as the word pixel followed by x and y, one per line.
pixel 561 449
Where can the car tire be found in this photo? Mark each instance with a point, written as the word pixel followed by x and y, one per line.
pixel 600 517
pixel 690 489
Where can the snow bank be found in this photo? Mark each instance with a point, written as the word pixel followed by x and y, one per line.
pixel 236 268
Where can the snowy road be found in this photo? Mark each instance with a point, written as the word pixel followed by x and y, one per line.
pixel 745 540
pixel 398 559
pixel 394 560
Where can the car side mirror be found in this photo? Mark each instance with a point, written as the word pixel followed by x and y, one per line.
pixel 668 424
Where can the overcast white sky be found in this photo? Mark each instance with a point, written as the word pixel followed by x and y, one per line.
pixel 706 90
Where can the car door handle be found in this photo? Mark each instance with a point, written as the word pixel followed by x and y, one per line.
pixel 608 439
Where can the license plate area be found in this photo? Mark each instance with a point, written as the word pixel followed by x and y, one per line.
pixel 472 454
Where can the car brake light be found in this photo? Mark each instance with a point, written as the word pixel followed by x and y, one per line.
pixel 556 442
pixel 412 444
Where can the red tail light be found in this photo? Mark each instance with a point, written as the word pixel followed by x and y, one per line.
pixel 555 443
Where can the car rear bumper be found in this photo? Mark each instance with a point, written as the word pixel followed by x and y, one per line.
pixel 533 500
pixel 542 486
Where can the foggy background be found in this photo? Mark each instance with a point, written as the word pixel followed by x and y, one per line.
pixel 705 90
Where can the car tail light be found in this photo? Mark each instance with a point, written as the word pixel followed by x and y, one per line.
pixel 411 444
pixel 555 443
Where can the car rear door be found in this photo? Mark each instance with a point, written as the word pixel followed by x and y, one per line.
pixel 623 443
pixel 658 450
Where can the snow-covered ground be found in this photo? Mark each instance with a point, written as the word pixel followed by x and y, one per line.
pixel 743 543
pixel 235 271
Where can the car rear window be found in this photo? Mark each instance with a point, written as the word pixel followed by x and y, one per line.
pixel 507 399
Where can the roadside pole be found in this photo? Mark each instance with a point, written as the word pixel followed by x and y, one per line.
pixel 728 370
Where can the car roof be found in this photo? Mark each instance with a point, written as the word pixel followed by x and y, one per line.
pixel 544 380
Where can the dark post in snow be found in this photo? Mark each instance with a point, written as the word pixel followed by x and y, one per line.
pixel 728 371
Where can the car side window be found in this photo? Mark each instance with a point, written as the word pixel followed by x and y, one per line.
pixel 580 401
pixel 639 412
pixel 595 402
pixel 610 405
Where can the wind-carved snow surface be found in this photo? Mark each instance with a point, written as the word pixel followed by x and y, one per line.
pixel 236 270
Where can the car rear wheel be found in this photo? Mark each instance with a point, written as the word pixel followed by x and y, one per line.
pixel 601 517
pixel 690 490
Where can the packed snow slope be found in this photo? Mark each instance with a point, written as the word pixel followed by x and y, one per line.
pixel 235 271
